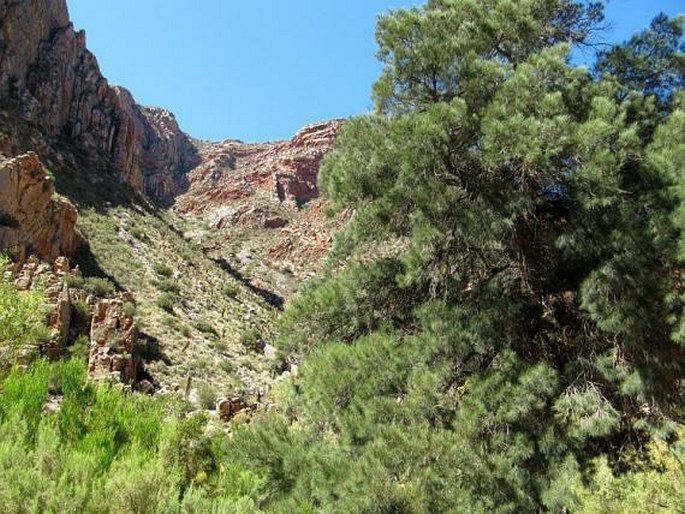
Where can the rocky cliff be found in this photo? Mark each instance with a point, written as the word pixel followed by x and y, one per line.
pixel 261 200
pixel 50 79
pixel 245 229
pixel 32 218
pixel 237 181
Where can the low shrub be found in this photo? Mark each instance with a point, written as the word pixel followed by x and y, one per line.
pixel 166 301
pixel 252 339
pixel 80 348
pixel 100 287
pixel 230 291
pixel 74 281
pixel 205 327
pixel 167 285
pixel 206 395
pixel 162 269
pixel 130 309
pixel 81 309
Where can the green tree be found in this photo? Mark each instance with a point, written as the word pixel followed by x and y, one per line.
pixel 510 304
pixel 652 61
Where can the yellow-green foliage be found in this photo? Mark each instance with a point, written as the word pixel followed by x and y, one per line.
pixel 22 317
pixel 107 451
pixel 660 489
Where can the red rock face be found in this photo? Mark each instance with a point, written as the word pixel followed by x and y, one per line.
pixel 32 219
pixel 281 173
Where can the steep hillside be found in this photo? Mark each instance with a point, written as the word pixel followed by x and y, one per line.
pixel 208 276
pixel 260 207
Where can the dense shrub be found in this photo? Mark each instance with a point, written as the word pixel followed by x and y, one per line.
pixel 167 301
pixel 22 318
pixel 100 286
pixel 107 451
pixel 162 269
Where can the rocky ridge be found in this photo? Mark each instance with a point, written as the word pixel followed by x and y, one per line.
pixel 262 203
pixel 50 79
pixel 281 173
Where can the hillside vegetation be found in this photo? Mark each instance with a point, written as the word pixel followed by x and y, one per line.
pixel 499 326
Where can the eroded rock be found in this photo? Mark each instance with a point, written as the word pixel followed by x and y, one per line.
pixel 32 218
pixel 47 72
pixel 113 337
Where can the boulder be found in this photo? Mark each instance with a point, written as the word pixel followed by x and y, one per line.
pixel 228 408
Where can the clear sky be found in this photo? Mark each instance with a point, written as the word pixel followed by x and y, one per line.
pixel 260 69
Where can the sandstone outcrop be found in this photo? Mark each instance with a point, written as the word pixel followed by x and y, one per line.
pixel 32 219
pixel 60 323
pixel 48 75
pixel 113 337
pixel 113 333
pixel 281 173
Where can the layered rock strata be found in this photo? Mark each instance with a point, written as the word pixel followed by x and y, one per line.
pixel 235 176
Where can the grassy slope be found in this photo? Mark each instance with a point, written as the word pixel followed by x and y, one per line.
pixel 145 252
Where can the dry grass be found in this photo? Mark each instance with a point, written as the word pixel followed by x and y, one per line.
pixel 203 311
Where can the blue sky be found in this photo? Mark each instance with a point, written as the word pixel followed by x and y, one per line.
pixel 260 70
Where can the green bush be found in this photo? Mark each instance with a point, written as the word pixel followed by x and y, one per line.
pixel 81 309
pixel 206 395
pixel 98 286
pixel 230 291
pixel 80 348
pixel 204 326
pixel 107 451
pixel 166 301
pixel 75 281
pixel 130 309
pixel 22 318
pixel 251 339
pixel 162 269
pixel 139 234
pixel 167 285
